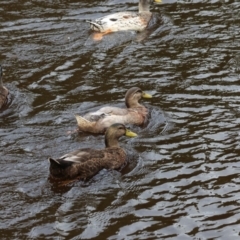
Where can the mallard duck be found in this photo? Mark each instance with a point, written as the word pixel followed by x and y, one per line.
pixel 125 21
pixel 3 90
pixel 85 163
pixel 99 121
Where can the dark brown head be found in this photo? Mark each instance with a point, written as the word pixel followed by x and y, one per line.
pixel 133 97
pixel 114 132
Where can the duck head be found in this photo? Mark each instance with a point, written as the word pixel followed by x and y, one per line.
pixel 133 97
pixel 114 132
pixel 144 5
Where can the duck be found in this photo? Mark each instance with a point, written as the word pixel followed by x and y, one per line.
pixel 84 163
pixel 3 90
pixel 135 113
pixel 126 21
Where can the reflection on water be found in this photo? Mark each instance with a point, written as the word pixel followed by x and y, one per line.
pixel 182 177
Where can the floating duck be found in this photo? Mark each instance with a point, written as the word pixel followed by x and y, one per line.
pixel 125 21
pixel 85 163
pixel 3 90
pixel 99 121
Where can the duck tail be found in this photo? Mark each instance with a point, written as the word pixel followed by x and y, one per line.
pixel 54 163
pixel 84 124
pixel 81 120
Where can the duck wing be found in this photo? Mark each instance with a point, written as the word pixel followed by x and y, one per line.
pixel 105 112
pixel 86 162
pixel 80 156
pixel 95 116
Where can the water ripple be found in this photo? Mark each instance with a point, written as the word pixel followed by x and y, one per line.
pixel 181 180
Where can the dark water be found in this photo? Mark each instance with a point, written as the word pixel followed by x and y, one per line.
pixel 182 180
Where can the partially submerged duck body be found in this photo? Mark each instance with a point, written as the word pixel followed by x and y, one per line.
pixel 85 163
pixel 3 90
pixel 123 21
pixel 99 121
pixel 126 21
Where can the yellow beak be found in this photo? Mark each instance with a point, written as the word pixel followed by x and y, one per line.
pixel 158 1
pixel 130 133
pixel 146 95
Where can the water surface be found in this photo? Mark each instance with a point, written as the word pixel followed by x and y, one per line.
pixel 183 174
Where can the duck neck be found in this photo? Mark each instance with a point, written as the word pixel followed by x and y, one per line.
pixel 138 105
pixel 111 141
pixel 1 77
pixel 143 6
pixel 133 104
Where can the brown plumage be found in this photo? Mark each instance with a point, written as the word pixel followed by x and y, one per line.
pixel 85 163
pixel 3 90
pixel 99 121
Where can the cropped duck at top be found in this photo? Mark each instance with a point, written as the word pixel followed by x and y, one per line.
pixel 3 90
pixel 125 21
pixel 99 121
pixel 85 163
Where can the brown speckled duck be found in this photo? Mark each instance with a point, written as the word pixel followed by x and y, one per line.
pixel 85 163
pixel 99 121
pixel 124 21
pixel 3 90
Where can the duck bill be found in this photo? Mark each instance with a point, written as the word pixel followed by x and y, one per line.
pixel 130 133
pixel 158 1
pixel 146 95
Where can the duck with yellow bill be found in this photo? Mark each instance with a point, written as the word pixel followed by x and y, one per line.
pixel 85 163
pixel 99 121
